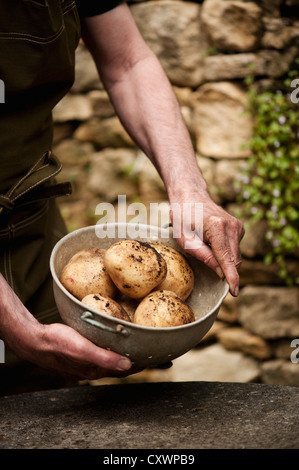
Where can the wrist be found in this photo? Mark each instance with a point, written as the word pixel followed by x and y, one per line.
pixel 18 328
pixel 23 334
pixel 190 191
pixel 185 182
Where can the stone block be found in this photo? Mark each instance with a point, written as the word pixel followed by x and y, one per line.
pixel 239 339
pixel 73 108
pixel 172 30
pixel 86 73
pixel 226 171
pixel 214 363
pixel 232 25
pixel 278 34
pixel 270 312
pixel 229 310
pixel 280 372
pixel 103 133
pixel 254 243
pixel 255 271
pixel 109 173
pixel 264 63
pixel 221 125
pixel 72 152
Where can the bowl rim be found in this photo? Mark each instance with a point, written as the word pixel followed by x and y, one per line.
pixel 118 320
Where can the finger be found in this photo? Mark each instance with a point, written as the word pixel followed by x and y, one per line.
pixel 222 251
pixel 81 352
pixel 235 234
pixel 75 370
pixel 236 254
pixel 205 254
pixel 111 360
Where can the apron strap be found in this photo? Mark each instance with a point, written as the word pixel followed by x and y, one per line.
pixel 28 189
pixel 6 203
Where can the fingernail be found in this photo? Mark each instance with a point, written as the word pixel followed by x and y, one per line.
pixel 236 291
pixel 124 364
pixel 220 272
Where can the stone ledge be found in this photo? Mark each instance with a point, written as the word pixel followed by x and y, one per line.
pixel 193 415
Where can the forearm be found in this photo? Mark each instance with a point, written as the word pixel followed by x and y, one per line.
pixel 17 325
pixel 147 106
pixel 143 98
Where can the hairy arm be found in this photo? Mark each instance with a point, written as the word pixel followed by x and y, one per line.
pixel 146 105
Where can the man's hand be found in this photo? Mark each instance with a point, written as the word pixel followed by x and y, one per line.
pixel 56 347
pixel 59 348
pixel 210 234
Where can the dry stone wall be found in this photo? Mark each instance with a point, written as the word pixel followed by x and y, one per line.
pixel 207 49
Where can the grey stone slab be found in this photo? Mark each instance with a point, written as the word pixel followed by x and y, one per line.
pixel 182 415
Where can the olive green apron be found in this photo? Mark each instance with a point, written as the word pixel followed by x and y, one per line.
pixel 37 51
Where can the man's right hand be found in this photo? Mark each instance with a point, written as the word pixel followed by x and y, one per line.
pixel 56 347
pixel 60 348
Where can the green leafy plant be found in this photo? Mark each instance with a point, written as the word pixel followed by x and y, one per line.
pixel 269 183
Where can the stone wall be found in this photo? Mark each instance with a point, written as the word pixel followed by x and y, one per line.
pixel 207 49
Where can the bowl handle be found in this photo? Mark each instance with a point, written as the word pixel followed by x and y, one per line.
pixel 88 317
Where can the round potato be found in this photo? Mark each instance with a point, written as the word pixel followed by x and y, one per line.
pixel 128 304
pixel 105 305
pixel 135 267
pixel 85 273
pixel 180 276
pixel 163 309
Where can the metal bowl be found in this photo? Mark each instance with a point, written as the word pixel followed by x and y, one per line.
pixel 145 346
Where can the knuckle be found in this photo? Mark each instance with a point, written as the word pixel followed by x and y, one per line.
pixel 218 222
pixel 209 260
pixel 228 257
pixel 216 227
pixel 236 228
pixel 239 227
pixel 235 224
